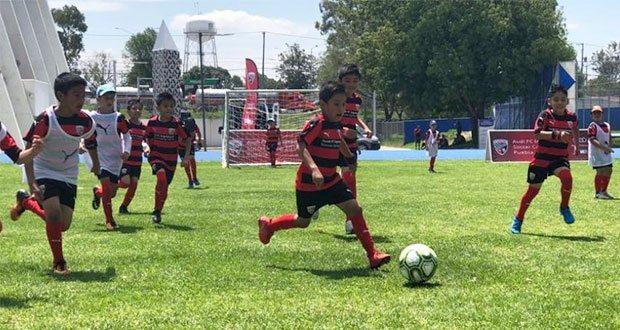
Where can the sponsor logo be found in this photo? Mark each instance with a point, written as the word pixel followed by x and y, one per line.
pixel 68 155
pixel 500 146
pixel 79 129
pixel 532 175
pixel 105 129
pixel 326 134
pixel 234 147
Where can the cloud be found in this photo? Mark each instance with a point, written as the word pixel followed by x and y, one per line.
pixel 572 26
pixel 231 21
pixel 98 5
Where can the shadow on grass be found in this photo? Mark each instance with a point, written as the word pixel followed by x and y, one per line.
pixel 335 274
pixel 121 229
pixel 174 227
pixel 424 285
pixel 353 238
pixel 570 238
pixel 136 213
pixel 88 276
pixel 10 302
pixel 198 188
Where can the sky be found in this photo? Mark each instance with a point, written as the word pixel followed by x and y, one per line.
pixel 111 22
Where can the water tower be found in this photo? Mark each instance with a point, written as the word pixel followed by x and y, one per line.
pixel 199 39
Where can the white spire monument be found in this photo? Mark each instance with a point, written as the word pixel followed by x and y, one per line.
pixel 167 66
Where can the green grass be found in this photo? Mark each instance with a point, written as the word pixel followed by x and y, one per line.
pixel 205 268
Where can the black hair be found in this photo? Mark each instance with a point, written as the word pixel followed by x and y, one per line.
pixel 163 96
pixel 348 69
pixel 133 102
pixel 558 88
pixel 67 80
pixel 329 89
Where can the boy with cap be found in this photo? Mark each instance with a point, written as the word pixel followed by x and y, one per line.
pixel 599 152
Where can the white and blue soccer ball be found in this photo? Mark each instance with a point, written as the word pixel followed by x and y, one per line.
pixel 417 263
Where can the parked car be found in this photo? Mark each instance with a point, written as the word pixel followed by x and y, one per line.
pixel 365 143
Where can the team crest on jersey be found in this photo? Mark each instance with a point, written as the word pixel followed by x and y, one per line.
pixel 124 170
pixel 500 146
pixel 251 77
pixel 570 124
pixel 79 129
pixel 171 131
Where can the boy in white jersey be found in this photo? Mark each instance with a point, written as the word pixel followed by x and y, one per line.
pixel 600 152
pixel 52 176
pixel 113 146
pixel 432 144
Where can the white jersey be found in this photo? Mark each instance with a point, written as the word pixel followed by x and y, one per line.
pixel 110 143
pixel 596 156
pixel 58 160
pixel 432 143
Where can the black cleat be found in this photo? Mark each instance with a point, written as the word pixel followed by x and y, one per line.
pixel 96 199
pixel 123 209
pixel 114 224
pixel 21 195
pixel 156 216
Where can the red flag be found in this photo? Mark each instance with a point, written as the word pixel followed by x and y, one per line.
pixel 251 99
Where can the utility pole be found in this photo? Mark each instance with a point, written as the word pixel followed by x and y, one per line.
pixel 202 88
pixel 581 70
pixel 263 66
pixel 114 81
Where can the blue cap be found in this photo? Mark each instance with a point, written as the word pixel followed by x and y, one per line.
pixel 103 89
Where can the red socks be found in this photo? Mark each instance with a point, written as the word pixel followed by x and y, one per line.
pixel 122 184
pixel 349 179
pixel 130 192
pixel 286 221
pixel 192 163
pixel 432 164
pixel 601 183
pixel 526 200
pixel 161 190
pixel 106 198
pixel 31 205
pixel 605 182
pixel 362 233
pixel 99 192
pixel 567 186
pixel 272 158
pixel 54 236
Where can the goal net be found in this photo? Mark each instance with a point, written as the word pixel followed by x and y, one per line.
pixel 245 124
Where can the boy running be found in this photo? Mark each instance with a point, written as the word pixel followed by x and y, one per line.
pixel 318 183
pixel 132 166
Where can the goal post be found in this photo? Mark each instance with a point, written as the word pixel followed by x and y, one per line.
pixel 245 123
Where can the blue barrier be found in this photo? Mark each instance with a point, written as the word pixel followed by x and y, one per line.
pixel 442 125
pixel 610 115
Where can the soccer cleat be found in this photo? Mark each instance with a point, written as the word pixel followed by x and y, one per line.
pixel 315 215
pixel 196 182
pixel 348 227
pixel 606 195
pixel 516 226
pixel 60 268
pixel 598 195
pixel 96 199
pixel 123 209
pixel 156 216
pixel 109 226
pixel 190 185
pixel 264 233
pixel 378 259
pixel 567 214
pixel 430 170
pixel 114 224
pixel 17 209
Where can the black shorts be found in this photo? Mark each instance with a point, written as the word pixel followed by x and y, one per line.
pixel 309 202
pixel 108 174
pixel 604 166
pixel 192 152
pixel 540 174
pixel 66 192
pixel 272 147
pixel 342 160
pixel 169 174
pixel 133 171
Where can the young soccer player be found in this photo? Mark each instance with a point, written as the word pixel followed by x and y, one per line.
pixel 113 146
pixel 271 142
pixel 600 152
pixel 554 129
pixel 318 183
pixel 432 144
pixel 16 154
pixel 417 134
pixel 193 132
pixel 132 167
pixel 162 135
pixel 349 76
pixel 52 175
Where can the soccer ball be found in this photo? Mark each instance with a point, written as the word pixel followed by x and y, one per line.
pixel 417 263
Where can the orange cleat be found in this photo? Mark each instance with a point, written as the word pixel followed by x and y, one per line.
pixel 264 233
pixel 17 209
pixel 378 259
pixel 60 268
pixel 109 226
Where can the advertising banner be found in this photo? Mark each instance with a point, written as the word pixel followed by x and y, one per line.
pixel 520 146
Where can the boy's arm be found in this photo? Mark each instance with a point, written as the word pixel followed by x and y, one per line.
pixel 576 139
pixel 188 144
pixel 306 158
pixel 32 183
pixel 367 129
pixel 280 137
pixel 26 156
pixel 95 158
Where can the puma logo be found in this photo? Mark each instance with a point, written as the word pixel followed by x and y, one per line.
pixel 105 129
pixel 69 155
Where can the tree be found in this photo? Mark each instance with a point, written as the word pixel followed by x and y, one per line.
pixel 297 68
pixel 268 83
pixel 139 50
pixel 607 62
pixel 225 80
pixel 97 71
pixel 72 27
pixel 447 54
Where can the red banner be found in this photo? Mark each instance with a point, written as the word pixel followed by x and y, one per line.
pixel 251 99
pixel 248 147
pixel 520 146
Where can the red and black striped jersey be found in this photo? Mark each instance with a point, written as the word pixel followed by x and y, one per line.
pixel 75 125
pixel 163 140
pixel 138 134
pixel 273 135
pixel 7 144
pixel 548 151
pixel 322 139
pixel 594 127
pixel 349 119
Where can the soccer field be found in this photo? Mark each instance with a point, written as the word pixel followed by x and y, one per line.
pixel 204 266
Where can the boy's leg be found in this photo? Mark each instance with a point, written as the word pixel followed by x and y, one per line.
pixel 192 164
pixel 164 178
pixel 106 198
pixel 307 203
pixel 526 200
pixel 535 178
pixel 54 227
pixel 124 181
pixel 131 191
pixel 432 164
pixel 598 182
pixel 566 179
pixel 606 177
pixel 23 202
